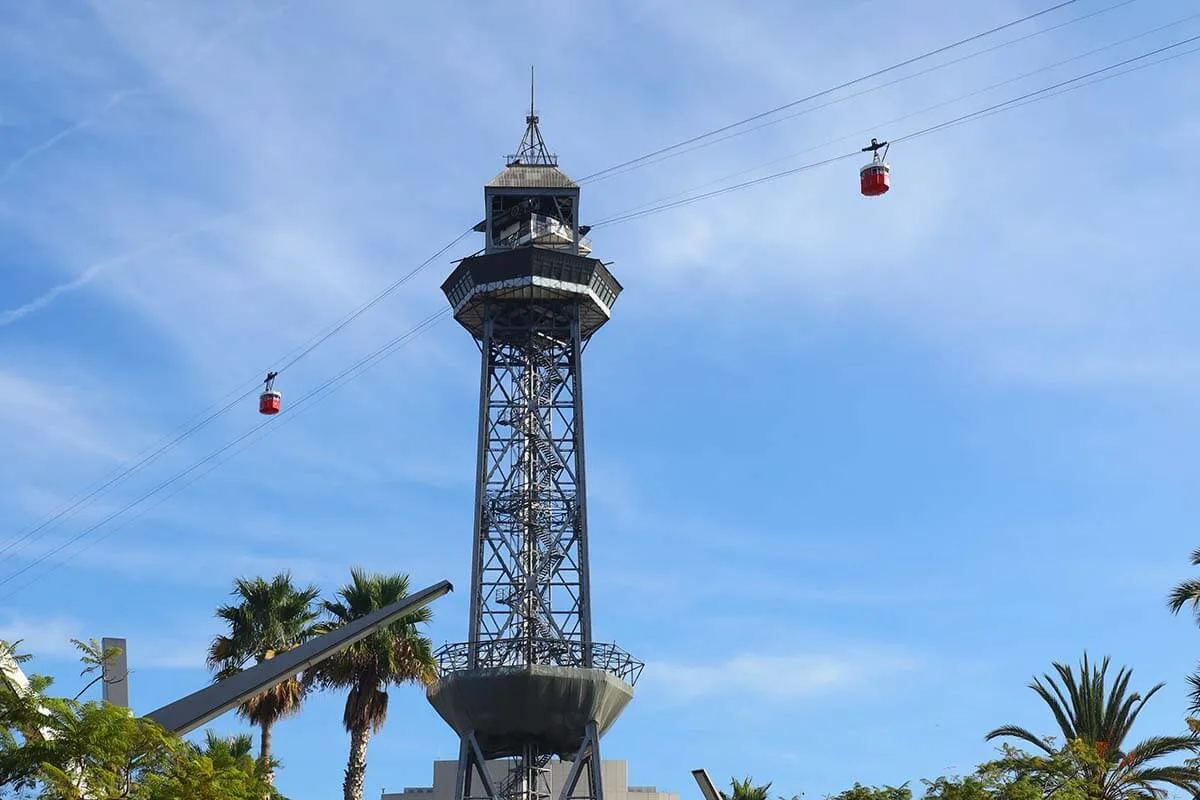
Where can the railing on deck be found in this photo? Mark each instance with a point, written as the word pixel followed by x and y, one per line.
pixel 545 650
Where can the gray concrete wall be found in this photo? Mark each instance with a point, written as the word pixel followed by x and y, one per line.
pixel 615 775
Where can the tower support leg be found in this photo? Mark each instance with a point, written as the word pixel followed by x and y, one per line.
pixel 588 758
pixel 470 762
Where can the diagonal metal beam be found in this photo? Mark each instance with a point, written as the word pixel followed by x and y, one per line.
pixel 706 785
pixel 189 713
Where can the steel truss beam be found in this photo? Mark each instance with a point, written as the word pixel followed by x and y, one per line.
pixel 529 583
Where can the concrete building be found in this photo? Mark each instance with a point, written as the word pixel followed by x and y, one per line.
pixel 615 779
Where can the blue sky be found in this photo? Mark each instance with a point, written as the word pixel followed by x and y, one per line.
pixel 859 468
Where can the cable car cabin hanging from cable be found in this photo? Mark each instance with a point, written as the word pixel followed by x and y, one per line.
pixel 875 178
pixel 271 400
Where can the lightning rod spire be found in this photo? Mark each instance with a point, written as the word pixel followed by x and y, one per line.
pixel 532 151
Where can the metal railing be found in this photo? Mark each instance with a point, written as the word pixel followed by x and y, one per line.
pixel 551 651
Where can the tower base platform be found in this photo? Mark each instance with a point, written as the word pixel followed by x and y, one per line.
pixel 511 708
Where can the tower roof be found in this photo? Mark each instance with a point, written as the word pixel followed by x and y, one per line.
pixel 532 176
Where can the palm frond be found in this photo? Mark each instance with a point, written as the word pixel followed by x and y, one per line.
pixel 1061 707
pixel 1185 593
pixel 1181 777
pixel 1018 732
pixel 1194 693
pixel 1157 747
pixel 1135 708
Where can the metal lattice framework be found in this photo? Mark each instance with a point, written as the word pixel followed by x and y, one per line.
pixel 531 591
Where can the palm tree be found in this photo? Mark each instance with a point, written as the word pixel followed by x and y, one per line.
pixel 1097 718
pixel 1188 592
pixel 746 790
pixel 391 656
pixel 224 748
pixel 270 618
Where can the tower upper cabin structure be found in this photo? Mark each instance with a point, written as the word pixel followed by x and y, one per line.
pixel 531 683
pixel 532 202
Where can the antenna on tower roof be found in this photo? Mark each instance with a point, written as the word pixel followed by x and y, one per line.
pixel 532 151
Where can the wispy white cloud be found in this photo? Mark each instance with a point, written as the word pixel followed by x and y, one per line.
pixel 677 586
pixel 92 272
pixel 1147 368
pixel 189 60
pixel 37 412
pixel 784 678
pixel 48 638
pixel 42 636
pixel 114 100
pixel 161 560
pixel 147 650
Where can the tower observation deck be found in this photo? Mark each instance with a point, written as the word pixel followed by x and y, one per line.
pixel 531 683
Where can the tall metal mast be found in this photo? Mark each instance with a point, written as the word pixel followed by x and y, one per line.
pixel 530 683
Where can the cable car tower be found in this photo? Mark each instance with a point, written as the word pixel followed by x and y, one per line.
pixel 531 683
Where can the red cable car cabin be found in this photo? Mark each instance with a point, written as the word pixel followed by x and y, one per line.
pixel 875 178
pixel 270 401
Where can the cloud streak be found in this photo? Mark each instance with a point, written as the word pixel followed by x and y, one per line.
pixel 116 98
pixel 49 638
pixel 783 678
pixel 43 636
pixel 26 403
pixel 94 271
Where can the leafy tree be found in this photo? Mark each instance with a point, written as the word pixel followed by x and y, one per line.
pixel 102 751
pixel 270 617
pixel 93 656
pixel 55 748
pixel 972 787
pixel 391 656
pixel 860 792
pixel 22 722
pixel 1188 593
pixel 1067 774
pixel 1094 720
pixel 1016 776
